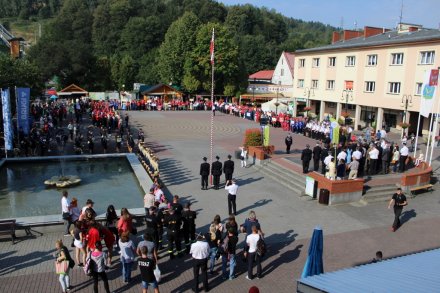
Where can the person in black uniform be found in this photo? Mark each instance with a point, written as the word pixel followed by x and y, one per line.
pixel 288 141
pixel 189 225
pixel 216 171
pixel 316 156
pixel 173 223
pixel 324 154
pixel 204 172
pixel 306 156
pixel 152 225
pixel 176 205
pixel 160 220
pixel 228 168
pixel 398 201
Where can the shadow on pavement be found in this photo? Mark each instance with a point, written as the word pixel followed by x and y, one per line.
pixel 248 181
pixel 174 173
pixel 407 215
pixel 14 263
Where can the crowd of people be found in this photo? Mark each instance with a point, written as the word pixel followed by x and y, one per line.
pixel 168 225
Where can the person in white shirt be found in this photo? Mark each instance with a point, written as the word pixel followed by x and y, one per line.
pixel 342 155
pixel 383 133
pixel 357 154
pixel 374 156
pixel 200 252
pixel 243 156
pixel 252 255
pixel 158 193
pixel 65 209
pixel 328 159
pixel 149 200
pixel 403 156
pixel 232 188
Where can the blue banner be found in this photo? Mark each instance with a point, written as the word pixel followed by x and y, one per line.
pixel 7 121
pixel 23 97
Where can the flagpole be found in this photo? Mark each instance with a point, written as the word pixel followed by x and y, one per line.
pixel 417 136
pixel 212 95
pixel 429 137
pixel 435 129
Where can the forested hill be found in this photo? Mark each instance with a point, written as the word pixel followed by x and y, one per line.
pixel 104 44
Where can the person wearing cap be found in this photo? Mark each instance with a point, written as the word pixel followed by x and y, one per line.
pixel 228 168
pixel 87 212
pixel 306 156
pixel 189 225
pixel 316 156
pixel 403 156
pixel 216 172
pixel 204 172
pixel 200 252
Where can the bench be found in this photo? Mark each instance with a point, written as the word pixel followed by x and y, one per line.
pixel 427 187
pixel 7 227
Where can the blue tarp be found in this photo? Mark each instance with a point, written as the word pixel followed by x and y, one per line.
pixel 314 264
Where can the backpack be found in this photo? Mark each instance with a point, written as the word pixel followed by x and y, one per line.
pixel 261 247
pixel 88 266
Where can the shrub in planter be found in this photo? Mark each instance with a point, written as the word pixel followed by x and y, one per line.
pixel 252 137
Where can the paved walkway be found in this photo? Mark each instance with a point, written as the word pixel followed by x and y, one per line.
pixel 352 233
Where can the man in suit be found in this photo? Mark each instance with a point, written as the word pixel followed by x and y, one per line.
pixel 228 168
pixel 306 156
pixel 316 156
pixel 288 141
pixel 216 171
pixel 204 172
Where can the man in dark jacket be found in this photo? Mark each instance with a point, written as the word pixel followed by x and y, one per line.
pixel 386 156
pixel 204 172
pixel 288 142
pixel 216 172
pixel 228 168
pixel 316 156
pixel 306 156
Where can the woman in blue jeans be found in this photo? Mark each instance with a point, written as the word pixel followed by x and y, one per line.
pixel 127 255
pixel 213 238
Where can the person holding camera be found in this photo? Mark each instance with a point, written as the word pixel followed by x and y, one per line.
pixel 232 189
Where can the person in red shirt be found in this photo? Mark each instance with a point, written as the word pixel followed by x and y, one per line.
pixel 93 235
pixel 125 223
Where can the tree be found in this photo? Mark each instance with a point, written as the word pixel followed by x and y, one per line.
pixel 123 71
pixel 140 35
pixel 148 68
pixel 176 48
pixel 198 66
pixel 19 72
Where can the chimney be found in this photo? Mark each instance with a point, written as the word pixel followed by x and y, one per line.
pixel 349 34
pixel 336 37
pixel 370 31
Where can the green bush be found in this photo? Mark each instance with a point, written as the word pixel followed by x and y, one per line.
pixel 252 137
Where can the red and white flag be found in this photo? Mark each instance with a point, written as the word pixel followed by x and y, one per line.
pixel 211 48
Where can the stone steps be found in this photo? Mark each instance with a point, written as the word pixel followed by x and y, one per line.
pixel 380 193
pixel 286 177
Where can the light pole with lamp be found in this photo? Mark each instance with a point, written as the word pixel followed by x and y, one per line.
pixel 406 102
pixel 347 95
pixel 307 93
pixel 277 103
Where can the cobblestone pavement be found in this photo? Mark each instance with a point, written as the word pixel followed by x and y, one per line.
pixel 352 234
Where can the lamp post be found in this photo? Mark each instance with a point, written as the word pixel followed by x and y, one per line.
pixel 276 103
pixel 307 93
pixel 346 95
pixel 406 102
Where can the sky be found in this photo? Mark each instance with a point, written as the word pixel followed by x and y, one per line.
pixel 355 13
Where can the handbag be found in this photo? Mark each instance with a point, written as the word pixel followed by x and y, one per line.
pixel 157 273
pixel 61 267
pixel 66 216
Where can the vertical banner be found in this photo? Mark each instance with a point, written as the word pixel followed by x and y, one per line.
pixel 23 97
pixel 7 122
pixel 266 137
pixel 428 94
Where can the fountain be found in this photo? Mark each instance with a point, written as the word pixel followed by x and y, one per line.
pixel 63 180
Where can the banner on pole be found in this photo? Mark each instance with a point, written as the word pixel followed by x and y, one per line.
pixel 212 47
pixel 23 97
pixel 428 94
pixel 7 121
pixel 433 78
pixel 266 137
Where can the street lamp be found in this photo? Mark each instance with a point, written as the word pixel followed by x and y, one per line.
pixel 406 102
pixel 347 94
pixel 253 91
pixel 307 93
pixel 276 103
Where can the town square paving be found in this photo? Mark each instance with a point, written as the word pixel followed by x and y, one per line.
pixel 352 233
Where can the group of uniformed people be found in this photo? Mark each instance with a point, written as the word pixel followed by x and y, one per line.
pixel 216 171
pixel 179 222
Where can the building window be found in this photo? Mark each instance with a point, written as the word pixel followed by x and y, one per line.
pixel 300 83
pixel 394 87
pixel 331 61
pixel 427 57
pixel 370 86
pixel 315 62
pixel 302 62
pixel 372 60
pixel 351 61
pixel 330 84
pixel 314 83
pixel 282 71
pixel 419 86
pixel 331 104
pixel 397 59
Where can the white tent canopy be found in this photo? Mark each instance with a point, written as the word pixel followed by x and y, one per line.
pixel 270 106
